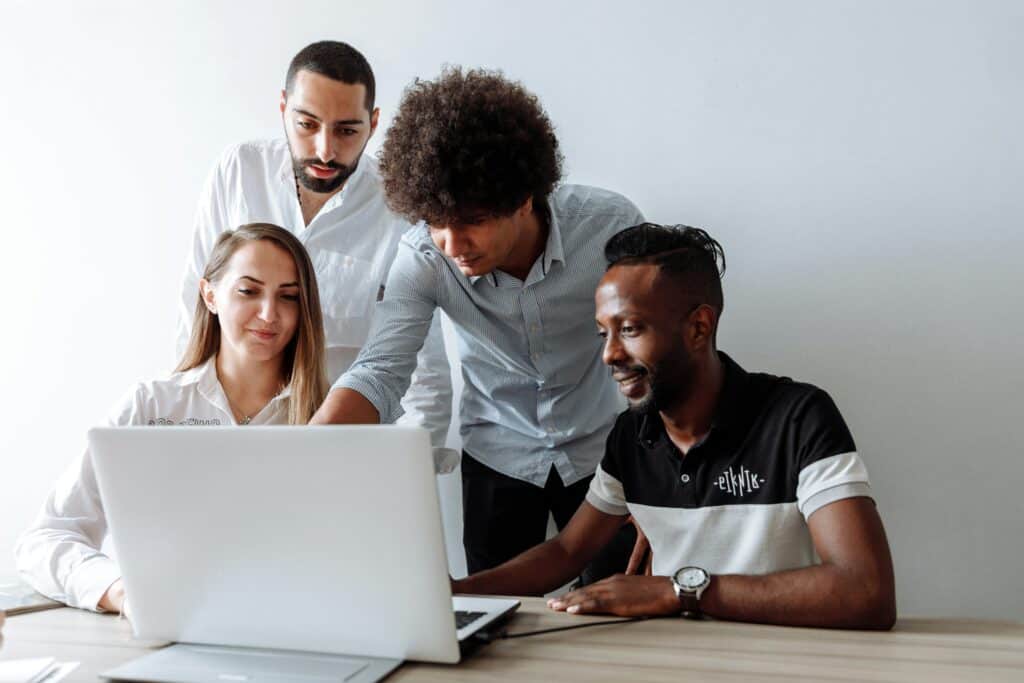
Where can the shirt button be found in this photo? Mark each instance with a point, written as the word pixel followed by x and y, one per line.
pixel 685 478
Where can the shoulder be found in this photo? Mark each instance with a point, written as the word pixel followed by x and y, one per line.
pixel 583 201
pixel 253 155
pixel 152 399
pixel 807 419
pixel 417 239
pixel 799 400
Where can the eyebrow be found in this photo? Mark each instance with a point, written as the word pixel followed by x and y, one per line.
pixel 261 282
pixel 347 122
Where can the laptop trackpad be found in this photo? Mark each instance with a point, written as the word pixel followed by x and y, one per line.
pixel 212 664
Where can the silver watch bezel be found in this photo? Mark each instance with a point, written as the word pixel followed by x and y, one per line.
pixel 695 591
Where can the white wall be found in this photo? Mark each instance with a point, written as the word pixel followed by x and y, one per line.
pixel 861 162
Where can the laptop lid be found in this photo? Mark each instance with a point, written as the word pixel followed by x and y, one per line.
pixel 323 539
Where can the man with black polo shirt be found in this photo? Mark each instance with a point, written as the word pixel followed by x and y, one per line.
pixel 748 486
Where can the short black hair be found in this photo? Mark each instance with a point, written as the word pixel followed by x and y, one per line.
pixel 337 61
pixel 690 256
pixel 471 144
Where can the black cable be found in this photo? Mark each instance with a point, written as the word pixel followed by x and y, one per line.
pixel 487 636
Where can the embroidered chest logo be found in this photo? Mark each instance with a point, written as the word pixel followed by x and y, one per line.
pixel 197 421
pixel 739 483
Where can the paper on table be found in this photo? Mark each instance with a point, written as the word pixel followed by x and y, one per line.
pixel 36 670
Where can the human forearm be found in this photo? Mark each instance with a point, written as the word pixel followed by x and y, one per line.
pixel 551 564
pixel 824 595
pixel 346 406
pixel 537 571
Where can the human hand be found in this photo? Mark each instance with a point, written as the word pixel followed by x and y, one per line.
pixel 622 594
pixel 113 600
pixel 640 549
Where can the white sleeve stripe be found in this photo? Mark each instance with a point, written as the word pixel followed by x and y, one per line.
pixel 831 495
pixel 606 493
pixel 836 470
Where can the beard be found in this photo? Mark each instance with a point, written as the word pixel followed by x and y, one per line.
pixel 322 185
pixel 671 382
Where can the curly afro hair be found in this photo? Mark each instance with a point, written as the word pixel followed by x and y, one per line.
pixel 467 146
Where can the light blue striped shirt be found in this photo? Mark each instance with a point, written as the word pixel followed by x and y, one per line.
pixel 536 393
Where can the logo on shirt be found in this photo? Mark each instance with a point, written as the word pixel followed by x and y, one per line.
pixel 188 421
pixel 739 483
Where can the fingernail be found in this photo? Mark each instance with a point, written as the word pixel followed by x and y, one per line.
pixel 574 609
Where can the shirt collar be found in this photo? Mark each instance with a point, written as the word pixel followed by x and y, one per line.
pixel 204 376
pixel 553 250
pixel 728 410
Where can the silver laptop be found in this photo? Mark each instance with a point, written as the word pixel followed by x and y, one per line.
pixel 255 546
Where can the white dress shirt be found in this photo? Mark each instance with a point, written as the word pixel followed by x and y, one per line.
pixel 352 242
pixel 60 554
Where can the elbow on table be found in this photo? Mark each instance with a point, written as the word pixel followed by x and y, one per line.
pixel 876 609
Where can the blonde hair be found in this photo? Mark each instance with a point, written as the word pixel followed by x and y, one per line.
pixel 303 365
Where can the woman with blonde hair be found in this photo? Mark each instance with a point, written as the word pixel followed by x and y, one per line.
pixel 255 357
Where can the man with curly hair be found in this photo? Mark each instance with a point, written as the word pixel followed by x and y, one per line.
pixel 317 182
pixel 513 259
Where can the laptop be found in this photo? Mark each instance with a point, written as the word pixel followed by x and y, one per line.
pixel 282 553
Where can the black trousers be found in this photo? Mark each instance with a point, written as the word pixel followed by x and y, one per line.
pixel 503 517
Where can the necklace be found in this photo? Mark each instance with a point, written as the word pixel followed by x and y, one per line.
pixel 246 419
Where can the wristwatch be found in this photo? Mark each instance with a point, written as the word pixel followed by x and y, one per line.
pixel 689 584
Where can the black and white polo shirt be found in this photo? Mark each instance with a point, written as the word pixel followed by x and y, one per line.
pixel 738 502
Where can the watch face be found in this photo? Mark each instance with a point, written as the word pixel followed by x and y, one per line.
pixel 691 578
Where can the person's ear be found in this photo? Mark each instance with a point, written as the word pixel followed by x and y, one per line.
pixel 526 209
pixel 374 120
pixel 206 292
pixel 701 329
pixel 284 101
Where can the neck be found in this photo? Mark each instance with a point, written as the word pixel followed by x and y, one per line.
pixel 533 236
pixel 311 202
pixel 690 421
pixel 249 385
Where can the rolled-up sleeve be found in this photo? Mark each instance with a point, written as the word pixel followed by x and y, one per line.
pixel 401 322
pixel 59 555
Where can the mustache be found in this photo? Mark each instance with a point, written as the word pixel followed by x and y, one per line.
pixel 619 371
pixel 330 164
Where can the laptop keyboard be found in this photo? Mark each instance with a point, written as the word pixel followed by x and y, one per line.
pixel 463 618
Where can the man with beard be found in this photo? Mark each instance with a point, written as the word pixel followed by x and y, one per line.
pixel 747 485
pixel 317 183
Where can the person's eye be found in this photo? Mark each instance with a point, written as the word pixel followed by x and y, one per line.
pixel 305 125
pixel 602 334
pixel 290 297
pixel 348 132
pixel 245 291
pixel 630 330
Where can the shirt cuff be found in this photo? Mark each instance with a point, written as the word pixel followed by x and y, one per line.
pixel 90 580
pixel 856 489
pixel 371 393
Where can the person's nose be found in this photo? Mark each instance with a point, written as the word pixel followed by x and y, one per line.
pixel 455 244
pixel 613 352
pixel 325 146
pixel 268 309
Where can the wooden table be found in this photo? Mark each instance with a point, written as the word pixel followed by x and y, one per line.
pixel 657 650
